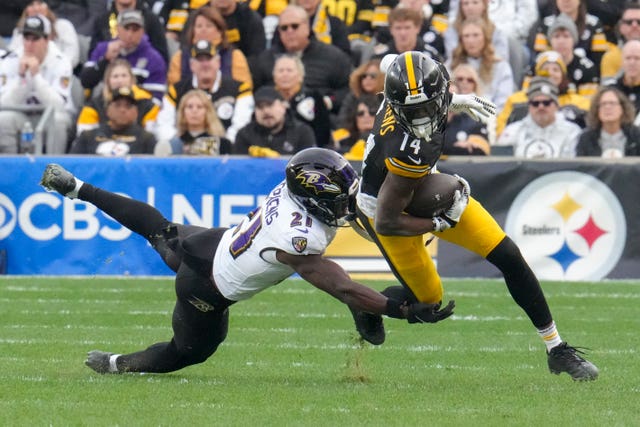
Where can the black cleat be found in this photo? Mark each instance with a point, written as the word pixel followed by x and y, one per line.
pixel 564 358
pixel 99 361
pixel 369 326
pixel 57 178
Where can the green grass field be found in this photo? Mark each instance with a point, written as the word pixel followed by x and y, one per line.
pixel 292 358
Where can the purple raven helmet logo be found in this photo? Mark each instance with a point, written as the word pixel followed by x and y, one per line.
pixel 317 182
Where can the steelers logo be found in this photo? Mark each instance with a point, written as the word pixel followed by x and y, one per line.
pixel 569 226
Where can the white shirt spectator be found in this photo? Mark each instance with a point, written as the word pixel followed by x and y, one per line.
pixel 45 81
pixel 66 40
pixel 529 140
pixel 514 17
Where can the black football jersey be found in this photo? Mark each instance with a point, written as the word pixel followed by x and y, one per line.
pixel 390 148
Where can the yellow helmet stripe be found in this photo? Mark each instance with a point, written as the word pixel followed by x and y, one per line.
pixel 411 77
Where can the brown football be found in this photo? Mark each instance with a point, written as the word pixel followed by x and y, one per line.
pixel 434 195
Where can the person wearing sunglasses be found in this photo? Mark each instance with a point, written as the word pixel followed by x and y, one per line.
pixel 627 28
pixel 365 79
pixel 327 68
pixel 542 133
pixel 573 106
pixel 350 139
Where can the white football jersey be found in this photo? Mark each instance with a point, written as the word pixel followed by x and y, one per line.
pixel 245 262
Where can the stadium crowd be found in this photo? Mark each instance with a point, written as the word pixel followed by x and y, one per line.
pixel 274 76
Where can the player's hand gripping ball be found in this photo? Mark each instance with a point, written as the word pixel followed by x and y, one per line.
pixel 434 195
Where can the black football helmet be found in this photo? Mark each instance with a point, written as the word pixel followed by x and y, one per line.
pixel 417 89
pixel 324 183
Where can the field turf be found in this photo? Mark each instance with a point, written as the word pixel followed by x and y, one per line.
pixel 292 358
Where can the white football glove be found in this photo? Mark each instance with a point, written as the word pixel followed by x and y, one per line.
pixel 452 215
pixel 478 108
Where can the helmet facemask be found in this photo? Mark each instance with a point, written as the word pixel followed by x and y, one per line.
pixel 325 187
pixel 422 119
pixel 417 89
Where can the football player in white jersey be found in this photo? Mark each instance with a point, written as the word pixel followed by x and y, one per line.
pixel 217 267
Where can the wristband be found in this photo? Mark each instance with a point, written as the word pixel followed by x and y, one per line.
pixel 393 309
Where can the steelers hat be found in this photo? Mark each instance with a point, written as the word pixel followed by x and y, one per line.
pixel 203 47
pixel 542 86
pixel 123 93
pixel 550 56
pixel 37 25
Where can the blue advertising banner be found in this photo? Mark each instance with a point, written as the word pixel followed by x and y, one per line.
pixel 573 220
pixel 44 233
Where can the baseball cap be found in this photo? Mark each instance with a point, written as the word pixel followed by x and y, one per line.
pixel 37 25
pixel 564 22
pixel 203 47
pixel 550 56
pixel 130 16
pixel 266 94
pixel 542 86
pixel 123 93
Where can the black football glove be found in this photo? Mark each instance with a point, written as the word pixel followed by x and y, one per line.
pixel 420 312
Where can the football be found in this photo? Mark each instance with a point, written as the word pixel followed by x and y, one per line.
pixel 434 195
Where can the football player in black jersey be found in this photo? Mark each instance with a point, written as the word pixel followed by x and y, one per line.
pixel 405 145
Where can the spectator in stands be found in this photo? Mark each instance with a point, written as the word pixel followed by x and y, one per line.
pixel 464 135
pixel 273 131
pixel 542 134
pixel 582 73
pixel 628 81
pixel 206 23
pixel 610 133
pixel 106 27
pixel 475 48
pixel 573 107
pixel 306 104
pixel 244 26
pixel 327 68
pixel 592 41
pixel 351 139
pixel 118 74
pixel 326 27
pixel 121 135
pixel 132 44
pixel 63 34
pixel 609 12
pixel 514 18
pixel 405 25
pixel 434 23
pixel 628 29
pixel 175 15
pixel 37 74
pixel 232 100
pixel 370 19
pixel 366 79
pixel 507 47
pixel 200 132
pixel 269 10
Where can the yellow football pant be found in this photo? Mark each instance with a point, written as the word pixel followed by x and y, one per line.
pixel 411 263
